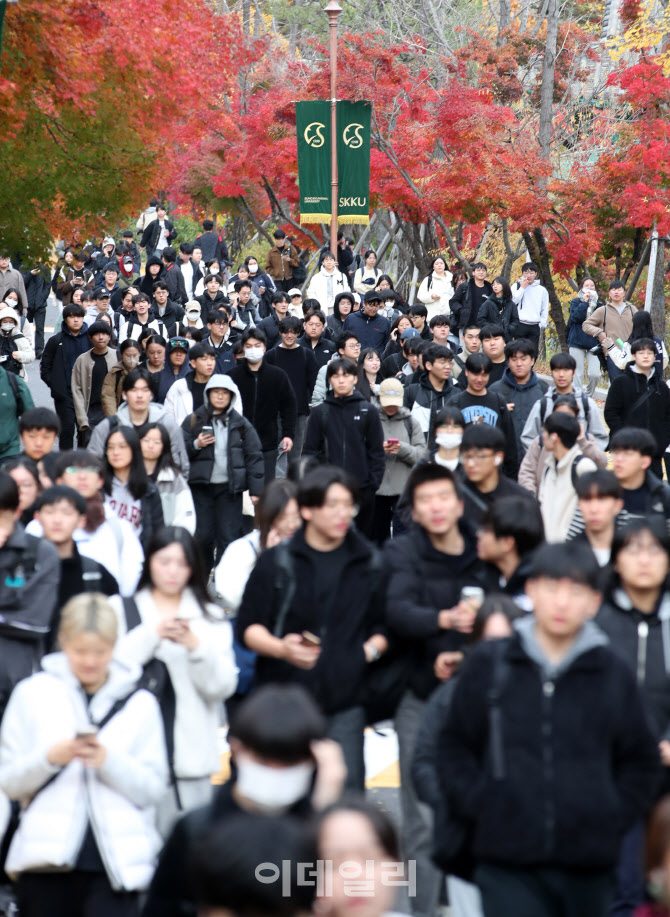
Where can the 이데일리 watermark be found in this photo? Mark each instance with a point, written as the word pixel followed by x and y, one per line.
pixel 359 878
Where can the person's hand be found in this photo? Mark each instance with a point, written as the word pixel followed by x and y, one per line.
pixel 204 439
pixel 166 233
pixel 168 628
pixel 602 336
pixel 15 354
pixel 460 617
pixel 35 270
pixel 524 282
pixel 184 636
pixel 302 657
pixel 446 664
pixel 391 448
pixel 331 772
pixel 92 753
pixel 581 430
pixel 664 748
pixel 286 444
pixel 62 753
pixel 254 499
pixel 274 538
pixel 435 297
pixel 510 405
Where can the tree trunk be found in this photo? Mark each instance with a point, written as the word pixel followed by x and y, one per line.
pixel 537 247
pixel 657 292
pixel 548 69
pixel 505 18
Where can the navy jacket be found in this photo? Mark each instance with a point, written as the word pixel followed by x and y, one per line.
pixel 372 332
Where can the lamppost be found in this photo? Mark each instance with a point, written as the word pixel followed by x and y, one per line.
pixel 333 9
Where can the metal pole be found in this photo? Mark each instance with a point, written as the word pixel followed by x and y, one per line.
pixel 333 9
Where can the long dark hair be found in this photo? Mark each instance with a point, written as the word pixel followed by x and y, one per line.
pixel 163 537
pixel 362 383
pixel 272 503
pixel 642 326
pixel 138 480
pixel 165 460
pixel 506 288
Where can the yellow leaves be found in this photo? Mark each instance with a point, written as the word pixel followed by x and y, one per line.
pixel 651 29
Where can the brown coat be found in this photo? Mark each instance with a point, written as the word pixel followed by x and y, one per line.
pixel 276 265
pixel 111 389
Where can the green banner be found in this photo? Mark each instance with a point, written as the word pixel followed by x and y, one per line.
pixel 312 120
pixel 353 162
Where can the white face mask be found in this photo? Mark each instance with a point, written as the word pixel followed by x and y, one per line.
pixel 131 362
pixel 6 326
pixel 213 270
pixel 448 440
pixel 193 316
pixel 253 268
pixel 273 787
pixel 254 354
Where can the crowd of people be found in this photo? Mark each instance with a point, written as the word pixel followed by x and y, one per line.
pixel 301 516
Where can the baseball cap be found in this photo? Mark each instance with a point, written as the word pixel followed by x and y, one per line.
pixel 231 287
pixel 103 294
pixel 391 391
pixel 372 296
pixel 409 333
pixel 294 291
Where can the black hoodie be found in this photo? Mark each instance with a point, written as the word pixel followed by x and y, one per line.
pixel 147 283
pixel 347 432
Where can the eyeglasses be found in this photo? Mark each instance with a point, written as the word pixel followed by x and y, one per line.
pixel 179 342
pixel 477 457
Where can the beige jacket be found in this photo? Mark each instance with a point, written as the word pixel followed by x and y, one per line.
pixel 557 496
pixel 82 373
pixel 535 459
pixel 607 318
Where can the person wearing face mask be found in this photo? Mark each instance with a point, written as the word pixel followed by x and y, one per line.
pixel 111 387
pixel 192 317
pixel 266 286
pixel 282 765
pixel 404 444
pixel 15 349
pixel 266 395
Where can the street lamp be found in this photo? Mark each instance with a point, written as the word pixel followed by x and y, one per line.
pixel 333 9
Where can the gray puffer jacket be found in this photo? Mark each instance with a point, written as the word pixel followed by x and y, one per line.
pixel 405 428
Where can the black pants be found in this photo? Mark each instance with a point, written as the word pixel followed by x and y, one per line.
pixel 218 516
pixel 366 511
pixel 39 319
pixel 73 894
pixel 531 332
pixel 270 462
pixel 384 508
pixel 68 425
pixel 543 892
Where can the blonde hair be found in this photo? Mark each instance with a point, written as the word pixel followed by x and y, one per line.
pixel 88 613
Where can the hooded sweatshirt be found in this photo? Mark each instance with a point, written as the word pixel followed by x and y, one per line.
pixel 522 396
pixel 532 304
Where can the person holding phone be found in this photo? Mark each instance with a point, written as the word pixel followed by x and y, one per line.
pixel 176 624
pixel 226 459
pixel 404 445
pixel 580 343
pixel 86 748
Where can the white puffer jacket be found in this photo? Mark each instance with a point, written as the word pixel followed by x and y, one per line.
pixel 201 678
pixel 438 286
pixel 321 283
pixel 117 799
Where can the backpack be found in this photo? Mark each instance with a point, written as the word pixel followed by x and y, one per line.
pixel 156 680
pixel 585 405
pixel 16 391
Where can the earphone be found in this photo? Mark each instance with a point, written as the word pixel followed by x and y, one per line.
pixel 497 460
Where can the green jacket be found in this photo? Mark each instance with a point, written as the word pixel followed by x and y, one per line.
pixel 10 412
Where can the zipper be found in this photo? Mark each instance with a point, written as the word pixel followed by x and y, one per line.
pixel 642 634
pixel 548 690
pixel 255 375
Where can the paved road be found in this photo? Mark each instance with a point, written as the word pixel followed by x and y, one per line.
pixel 38 389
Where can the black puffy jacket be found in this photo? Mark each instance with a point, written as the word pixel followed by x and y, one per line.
pixel 495 311
pixel 245 458
pixel 575 764
pixel 643 642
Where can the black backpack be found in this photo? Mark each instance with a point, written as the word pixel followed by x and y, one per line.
pixel 544 407
pixel 299 273
pixel 156 680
